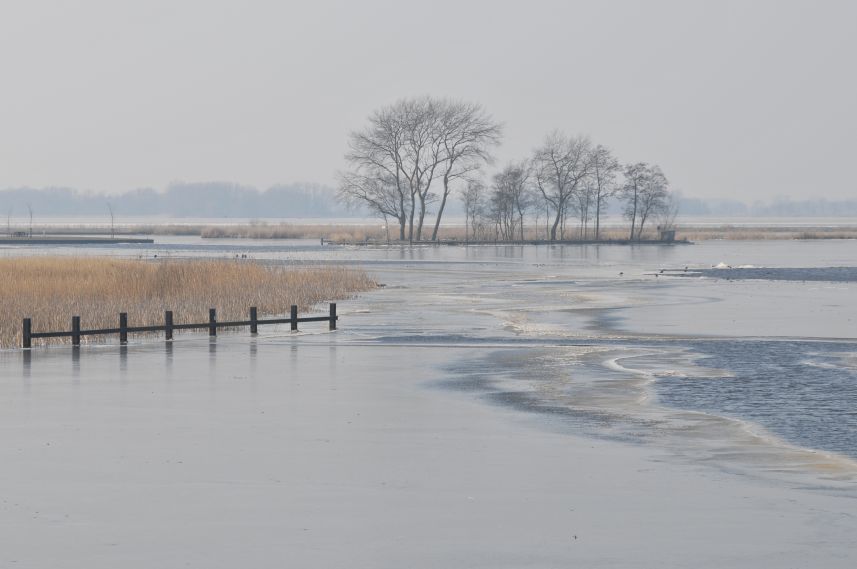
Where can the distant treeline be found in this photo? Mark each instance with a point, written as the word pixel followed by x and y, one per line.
pixel 203 199
pixel 224 199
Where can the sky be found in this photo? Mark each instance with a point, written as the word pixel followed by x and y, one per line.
pixel 750 100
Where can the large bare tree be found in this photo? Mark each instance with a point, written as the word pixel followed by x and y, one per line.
pixel 560 165
pixel 411 143
pixel 422 153
pixel 468 133
pixel 376 156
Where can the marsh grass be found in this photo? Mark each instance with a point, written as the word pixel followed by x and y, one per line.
pixel 50 290
pixel 735 233
pixel 375 233
pixel 296 231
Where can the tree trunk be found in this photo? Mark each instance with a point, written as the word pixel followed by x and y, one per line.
pixel 411 221
pixel 440 209
pixel 555 223
pixel 633 218
pixel 421 218
pixel 597 216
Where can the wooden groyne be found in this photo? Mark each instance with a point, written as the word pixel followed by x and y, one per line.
pixel 169 326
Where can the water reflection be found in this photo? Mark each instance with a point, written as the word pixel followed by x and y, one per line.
pixel 168 359
pixel 75 364
pixel 123 361
pixel 212 358
pixel 27 362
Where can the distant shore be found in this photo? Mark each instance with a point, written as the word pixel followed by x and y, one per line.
pixel 71 240
pixel 360 233
pixel 460 242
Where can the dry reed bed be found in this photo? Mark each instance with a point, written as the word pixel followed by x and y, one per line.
pixel 51 290
pixel 295 231
pixel 765 233
pixel 376 232
pixel 364 232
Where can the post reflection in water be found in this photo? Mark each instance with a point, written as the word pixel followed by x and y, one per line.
pixel 212 359
pixel 293 359
pixel 75 364
pixel 27 362
pixel 123 361
pixel 168 360
pixel 253 353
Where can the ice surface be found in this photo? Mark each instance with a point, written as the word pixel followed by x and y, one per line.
pixel 467 414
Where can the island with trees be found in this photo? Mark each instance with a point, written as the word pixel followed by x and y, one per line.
pixel 412 155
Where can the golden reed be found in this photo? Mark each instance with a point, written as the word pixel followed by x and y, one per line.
pixel 51 290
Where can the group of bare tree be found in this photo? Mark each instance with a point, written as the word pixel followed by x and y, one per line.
pixel 413 153
pixel 410 147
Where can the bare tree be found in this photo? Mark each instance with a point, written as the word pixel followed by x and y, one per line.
pixel 560 166
pixel 473 196
pixel 512 198
pixel 668 214
pixel 377 176
pixel 654 197
pixel 422 153
pixel 635 179
pixel 377 192
pixel 403 144
pixel 604 170
pixel 585 198
pixel 467 135
pixel 30 210
pixel 645 192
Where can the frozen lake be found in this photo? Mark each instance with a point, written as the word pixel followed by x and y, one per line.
pixel 469 389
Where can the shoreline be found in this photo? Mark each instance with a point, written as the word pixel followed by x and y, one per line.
pixel 361 231
pixel 461 243
pixel 72 240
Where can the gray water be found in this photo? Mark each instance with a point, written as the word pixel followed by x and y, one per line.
pixel 572 329
pixel 815 274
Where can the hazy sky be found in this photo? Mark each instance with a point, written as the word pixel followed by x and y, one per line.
pixel 745 100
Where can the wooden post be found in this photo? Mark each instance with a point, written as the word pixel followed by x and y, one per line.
pixel 254 328
pixel 75 330
pixel 26 338
pixel 333 316
pixel 168 325
pixel 212 322
pixel 294 317
pixel 123 327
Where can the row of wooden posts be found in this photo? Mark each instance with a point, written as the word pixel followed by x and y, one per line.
pixel 169 326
